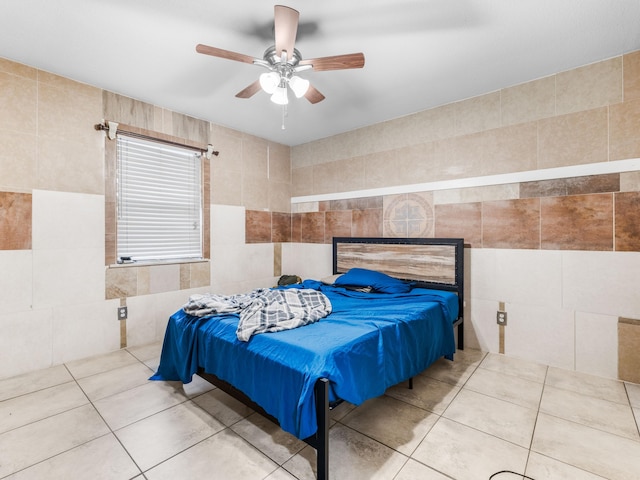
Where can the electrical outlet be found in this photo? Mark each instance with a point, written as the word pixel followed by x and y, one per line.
pixel 501 317
pixel 122 313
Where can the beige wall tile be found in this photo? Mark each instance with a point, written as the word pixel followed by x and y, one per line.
pixel 18 162
pixel 14 68
pixel 449 157
pixel 630 181
pixel 509 149
pixel 631 67
pixel 18 103
pixel 325 177
pixel 415 163
pixel 381 170
pixel 628 352
pixel 624 122
pixel 302 181
pixel 254 157
pixel 279 163
pixel 279 197
pixel 121 282
pixel 255 192
pixel 200 274
pixel 529 101
pixel 573 139
pixel 428 125
pixel 17 286
pixel 226 187
pixel 589 87
pixel 164 278
pixel 191 128
pixel 478 113
pixel 353 174
pixel 128 111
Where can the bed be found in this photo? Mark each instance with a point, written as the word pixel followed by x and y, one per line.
pixel 369 342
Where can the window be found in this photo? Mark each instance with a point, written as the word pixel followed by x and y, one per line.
pixel 158 201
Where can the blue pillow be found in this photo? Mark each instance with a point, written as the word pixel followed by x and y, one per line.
pixel 380 282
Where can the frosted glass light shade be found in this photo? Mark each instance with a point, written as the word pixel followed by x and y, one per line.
pixel 280 96
pixel 299 86
pixel 269 82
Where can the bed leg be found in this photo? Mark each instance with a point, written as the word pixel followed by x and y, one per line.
pixel 461 336
pixel 322 449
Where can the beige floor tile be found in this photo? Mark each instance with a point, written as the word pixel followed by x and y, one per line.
pixel 223 407
pixel 456 372
pixel 158 437
pixel 124 408
pixel 633 392
pixel 392 422
pixel 146 352
pixel 505 420
pixel 515 366
pixel 427 393
pixel 281 474
pixel 590 411
pixel 520 391
pixel 339 412
pixel 468 454
pixel 115 381
pixel 268 437
pixel 541 467
pixel 33 381
pixel 101 363
pixel 29 408
pixel 351 455
pixel 197 386
pixel 414 470
pixel 610 456
pixel 225 453
pixel 100 459
pixel 605 388
pixel 33 443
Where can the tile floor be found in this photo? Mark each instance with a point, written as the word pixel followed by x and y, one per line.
pixel 100 418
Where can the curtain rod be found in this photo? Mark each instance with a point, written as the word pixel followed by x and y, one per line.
pixel 112 127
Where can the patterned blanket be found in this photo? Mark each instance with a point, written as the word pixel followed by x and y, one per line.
pixel 264 310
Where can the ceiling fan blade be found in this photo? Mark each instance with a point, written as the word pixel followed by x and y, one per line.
pixel 250 91
pixel 336 62
pixel 286 28
pixel 313 95
pixel 219 52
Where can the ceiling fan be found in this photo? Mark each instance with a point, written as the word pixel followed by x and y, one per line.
pixel 284 62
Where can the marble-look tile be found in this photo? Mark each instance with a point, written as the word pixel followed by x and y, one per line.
pixel 127 407
pixel 627 222
pixel 528 101
pixel 579 222
pixel 114 381
pixel 596 85
pixel 524 369
pixel 631 75
pixel 392 422
pixel 100 363
pixel 590 411
pixel 164 278
pixel 255 193
pixel 633 392
pixel 511 224
pixel 352 455
pixel 457 372
pixel 596 340
pixel 337 224
pixel 312 227
pixel 190 128
pixel 257 226
pixel 628 353
pixel 225 453
pixel 121 109
pixel 605 454
pixel 413 470
pixel 496 417
pixel 571 186
pixel 165 434
pixel 33 381
pixel 99 459
pixel 573 139
pixel 584 384
pixel 427 393
pixel 280 227
pixel 18 103
pixel 268 437
pixel 223 407
pixel 35 406
pixel 18 160
pixel 281 474
pixel 19 69
pixel 464 453
pixel 459 221
pixel 520 391
pixel 540 466
pixel 41 440
pixel 16 213
pixel 477 114
pixel 16 288
pixel 234 222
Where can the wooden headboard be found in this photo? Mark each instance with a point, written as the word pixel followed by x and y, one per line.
pixel 436 263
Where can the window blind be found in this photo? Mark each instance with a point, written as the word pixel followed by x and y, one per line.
pixel 159 201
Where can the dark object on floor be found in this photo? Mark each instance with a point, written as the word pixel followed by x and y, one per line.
pixel 499 476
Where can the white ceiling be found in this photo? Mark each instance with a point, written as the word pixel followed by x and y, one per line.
pixel 419 53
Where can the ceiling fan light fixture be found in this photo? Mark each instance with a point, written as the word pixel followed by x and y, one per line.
pixel 299 86
pixel 269 82
pixel 280 97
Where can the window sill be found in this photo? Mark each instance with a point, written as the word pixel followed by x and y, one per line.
pixel 148 263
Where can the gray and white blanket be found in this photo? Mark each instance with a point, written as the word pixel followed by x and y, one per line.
pixel 263 309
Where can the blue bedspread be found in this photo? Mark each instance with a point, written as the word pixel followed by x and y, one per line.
pixel 368 343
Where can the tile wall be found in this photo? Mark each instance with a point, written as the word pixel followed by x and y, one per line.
pixel 58 296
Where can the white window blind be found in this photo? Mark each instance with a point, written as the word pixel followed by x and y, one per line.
pixel 159 201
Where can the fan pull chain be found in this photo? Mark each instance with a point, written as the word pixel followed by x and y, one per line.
pixel 284 114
